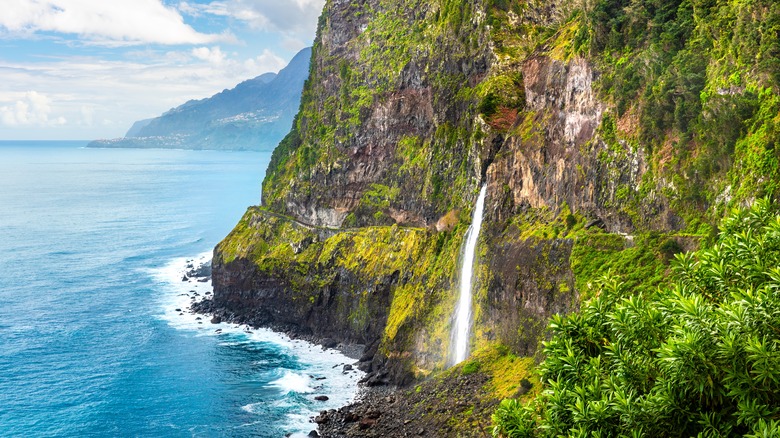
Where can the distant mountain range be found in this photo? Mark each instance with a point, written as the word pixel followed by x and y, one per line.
pixel 255 115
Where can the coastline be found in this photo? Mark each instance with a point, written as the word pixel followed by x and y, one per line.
pixel 330 378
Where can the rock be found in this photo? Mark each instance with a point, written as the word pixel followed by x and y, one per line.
pixel 198 318
pixel 203 280
pixel 216 319
pixel 598 222
pixel 185 278
pixel 348 367
pixel 313 433
pixel 366 423
pixel 421 431
pixel 329 343
pixel 525 386
pixel 178 310
pixel 321 398
pixel 322 418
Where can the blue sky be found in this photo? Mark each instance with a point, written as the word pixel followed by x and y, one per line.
pixel 87 69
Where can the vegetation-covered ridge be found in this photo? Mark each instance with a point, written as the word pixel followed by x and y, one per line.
pixel 698 358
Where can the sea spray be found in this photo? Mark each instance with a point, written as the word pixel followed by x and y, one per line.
pixel 289 372
pixel 461 330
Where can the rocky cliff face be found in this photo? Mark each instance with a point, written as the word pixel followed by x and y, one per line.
pixel 411 106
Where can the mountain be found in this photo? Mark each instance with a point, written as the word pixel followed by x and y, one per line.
pixel 610 135
pixel 254 115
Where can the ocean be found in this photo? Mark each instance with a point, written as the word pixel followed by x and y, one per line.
pixel 95 243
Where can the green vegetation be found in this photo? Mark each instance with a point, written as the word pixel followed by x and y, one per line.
pixel 702 80
pixel 418 266
pixel 700 357
pixel 431 163
pixel 688 128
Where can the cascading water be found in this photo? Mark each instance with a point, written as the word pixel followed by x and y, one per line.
pixel 462 327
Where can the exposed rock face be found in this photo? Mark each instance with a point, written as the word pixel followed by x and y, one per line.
pixel 409 108
pixel 389 132
pixel 529 280
pixel 376 97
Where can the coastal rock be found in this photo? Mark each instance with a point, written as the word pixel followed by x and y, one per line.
pixel 321 398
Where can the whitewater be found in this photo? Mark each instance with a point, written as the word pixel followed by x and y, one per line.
pixel 461 330
pixel 95 242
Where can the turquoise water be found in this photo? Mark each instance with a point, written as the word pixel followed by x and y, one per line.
pixel 94 242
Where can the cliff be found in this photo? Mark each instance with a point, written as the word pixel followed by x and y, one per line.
pixel 254 115
pixel 610 138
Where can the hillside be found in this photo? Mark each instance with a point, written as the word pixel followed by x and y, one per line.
pixel 254 115
pixel 611 136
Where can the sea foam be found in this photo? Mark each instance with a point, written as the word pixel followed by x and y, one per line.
pixel 319 371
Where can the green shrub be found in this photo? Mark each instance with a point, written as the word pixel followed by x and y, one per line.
pixel 698 358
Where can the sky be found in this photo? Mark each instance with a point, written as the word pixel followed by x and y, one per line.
pixel 88 69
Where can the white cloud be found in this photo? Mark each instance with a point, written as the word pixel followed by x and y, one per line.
pixel 103 22
pixel 31 109
pixel 267 61
pixel 107 96
pixel 87 115
pixel 296 19
pixel 212 55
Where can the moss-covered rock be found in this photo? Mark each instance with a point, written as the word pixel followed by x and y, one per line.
pixel 607 144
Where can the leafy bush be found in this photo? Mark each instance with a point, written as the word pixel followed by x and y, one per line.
pixel 698 358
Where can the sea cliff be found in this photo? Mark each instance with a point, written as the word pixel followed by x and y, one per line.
pixel 604 147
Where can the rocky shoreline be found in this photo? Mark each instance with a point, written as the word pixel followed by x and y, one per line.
pixel 436 407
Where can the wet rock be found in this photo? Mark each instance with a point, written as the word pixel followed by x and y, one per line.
pixel 322 398
pixel 347 368
pixel 313 433
pixel 185 278
pixel 216 320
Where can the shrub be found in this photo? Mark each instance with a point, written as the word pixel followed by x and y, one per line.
pixel 698 358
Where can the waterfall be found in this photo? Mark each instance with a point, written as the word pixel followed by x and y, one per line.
pixel 461 330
